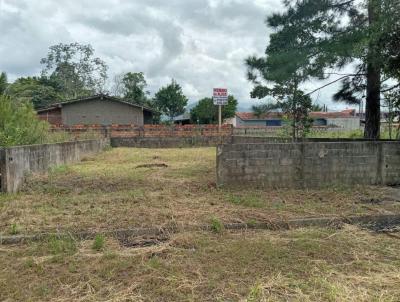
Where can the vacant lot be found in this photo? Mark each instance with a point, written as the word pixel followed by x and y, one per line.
pixel 141 187
pixel 148 187
pixel 297 265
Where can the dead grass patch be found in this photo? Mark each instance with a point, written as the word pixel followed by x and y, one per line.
pixel 108 191
pixel 298 265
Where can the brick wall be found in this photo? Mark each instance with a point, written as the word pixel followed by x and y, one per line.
pixel 150 130
pixel 169 142
pixel 309 164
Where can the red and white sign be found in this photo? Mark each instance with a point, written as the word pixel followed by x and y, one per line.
pixel 220 96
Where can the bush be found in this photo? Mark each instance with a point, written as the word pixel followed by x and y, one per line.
pixel 19 124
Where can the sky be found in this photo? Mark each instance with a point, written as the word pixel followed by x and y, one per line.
pixel 200 43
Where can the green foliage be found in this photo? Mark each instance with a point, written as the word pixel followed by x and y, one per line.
pixel 61 245
pixel 265 108
pixel 170 100
pixel 317 108
pixel 75 69
pixel 14 229
pixel 205 112
pixel 293 103
pixel 19 124
pixel 216 225
pixel 256 293
pixel 3 83
pixel 311 37
pixel 247 200
pixel 392 102
pixel 131 86
pixel 38 90
pixel 98 243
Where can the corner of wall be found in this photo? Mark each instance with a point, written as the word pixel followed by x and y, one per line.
pixel 3 170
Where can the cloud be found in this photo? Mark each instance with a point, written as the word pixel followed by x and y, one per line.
pixel 200 43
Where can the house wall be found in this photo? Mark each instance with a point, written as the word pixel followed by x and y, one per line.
pixel 249 123
pixel 349 123
pixel 101 112
pixel 309 165
pixel 16 162
pixel 53 116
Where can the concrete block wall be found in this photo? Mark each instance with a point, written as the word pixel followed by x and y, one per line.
pixel 309 164
pixel 169 142
pixel 16 162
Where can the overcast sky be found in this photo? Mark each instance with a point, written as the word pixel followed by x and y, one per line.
pixel 200 43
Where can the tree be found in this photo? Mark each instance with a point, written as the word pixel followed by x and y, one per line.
pixel 205 112
pixel 317 108
pixel 312 37
pixel 131 86
pixel 40 91
pixel 392 102
pixel 293 103
pixel 3 83
pixel 19 124
pixel 75 69
pixel 265 108
pixel 170 100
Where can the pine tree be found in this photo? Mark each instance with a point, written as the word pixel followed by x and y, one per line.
pixel 315 36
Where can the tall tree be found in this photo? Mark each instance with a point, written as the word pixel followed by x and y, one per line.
pixel 170 100
pixel 131 86
pixel 74 67
pixel 205 112
pixel 3 83
pixel 312 37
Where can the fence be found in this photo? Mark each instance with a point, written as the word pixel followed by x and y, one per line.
pixel 309 164
pixel 150 130
pixel 16 162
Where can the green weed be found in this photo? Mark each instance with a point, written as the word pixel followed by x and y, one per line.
pixel 61 245
pixel 216 225
pixel 14 229
pixel 98 243
pixel 250 200
pixel 256 293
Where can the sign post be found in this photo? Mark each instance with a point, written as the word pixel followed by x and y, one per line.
pixel 220 98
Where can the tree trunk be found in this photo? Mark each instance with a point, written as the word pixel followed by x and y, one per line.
pixel 373 103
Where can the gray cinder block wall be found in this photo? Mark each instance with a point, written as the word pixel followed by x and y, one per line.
pixel 309 164
pixel 16 162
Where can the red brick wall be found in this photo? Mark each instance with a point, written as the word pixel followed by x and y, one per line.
pixel 53 116
pixel 151 130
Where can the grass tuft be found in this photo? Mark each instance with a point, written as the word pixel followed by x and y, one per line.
pixel 61 245
pixel 216 225
pixel 14 229
pixel 98 242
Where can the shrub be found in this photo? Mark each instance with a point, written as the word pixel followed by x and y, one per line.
pixel 19 124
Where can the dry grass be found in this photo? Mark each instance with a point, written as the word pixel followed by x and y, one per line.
pixel 142 187
pixel 147 187
pixel 298 265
